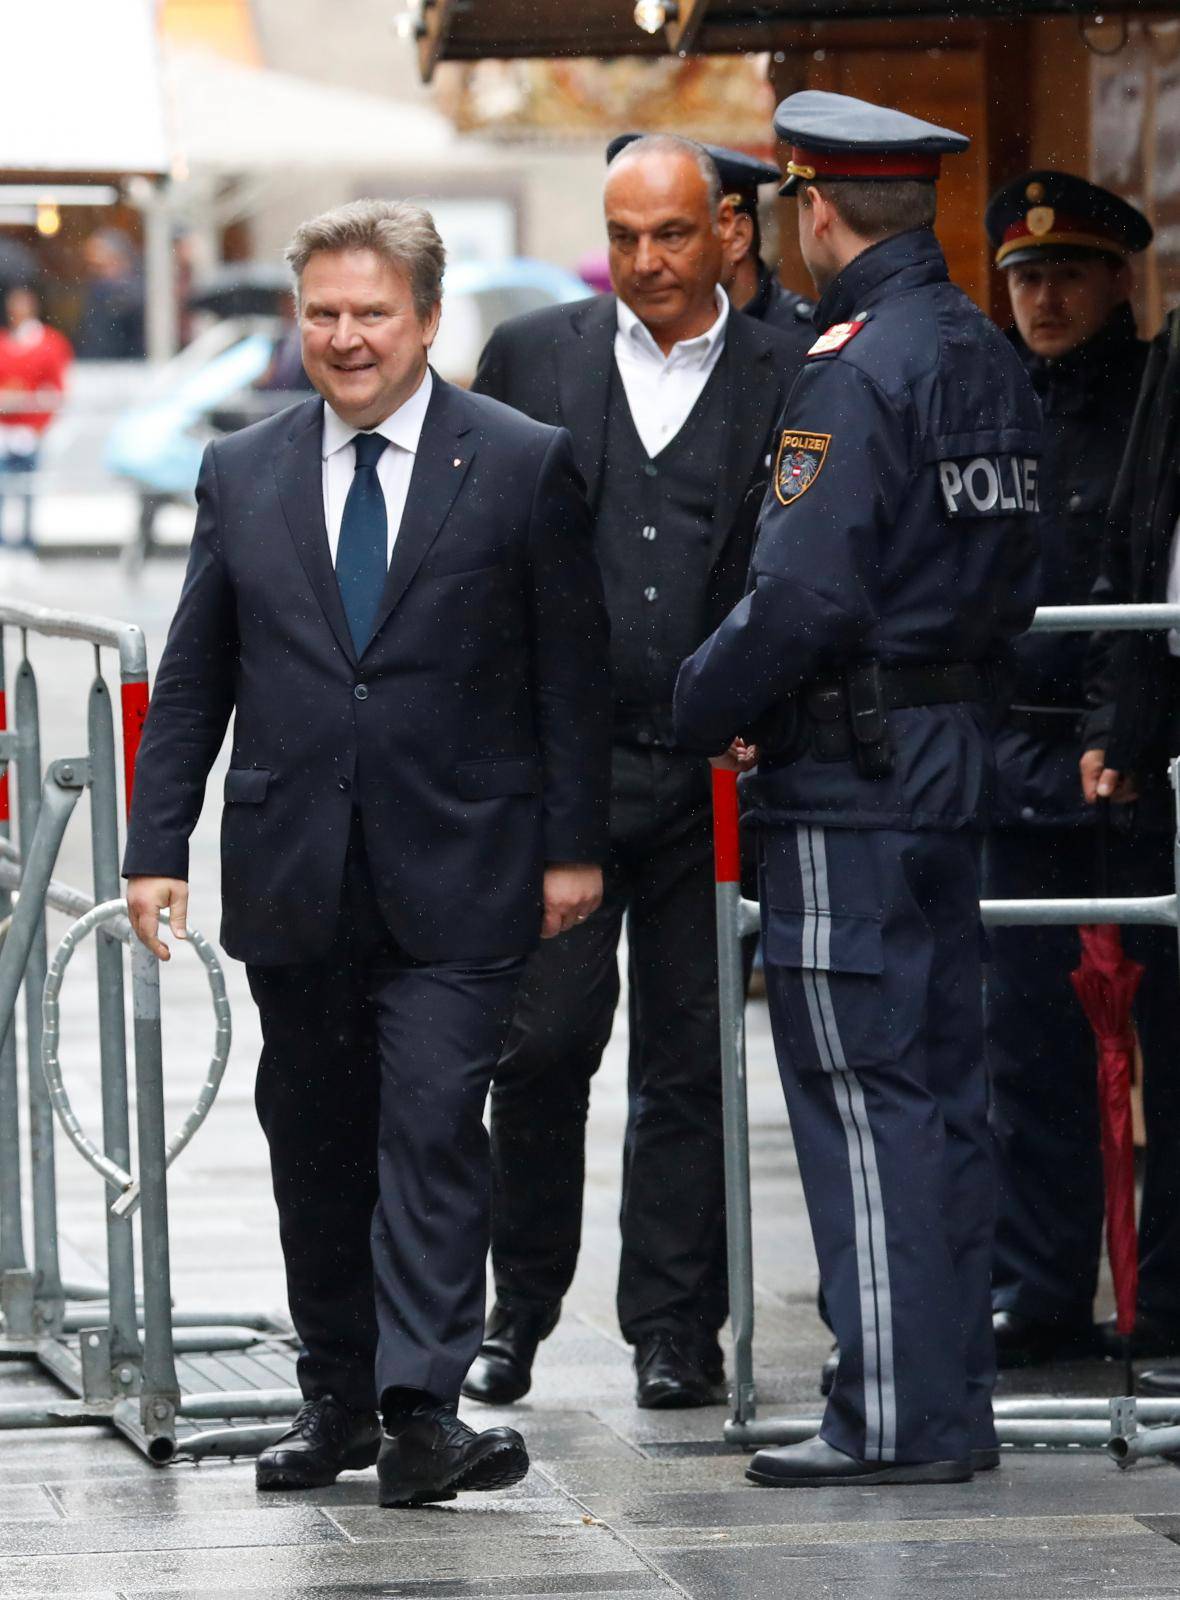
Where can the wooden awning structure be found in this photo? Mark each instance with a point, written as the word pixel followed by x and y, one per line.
pixel 473 30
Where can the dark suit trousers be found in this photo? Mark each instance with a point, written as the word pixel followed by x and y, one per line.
pixel 371 1090
pixel 1042 1058
pixel 659 877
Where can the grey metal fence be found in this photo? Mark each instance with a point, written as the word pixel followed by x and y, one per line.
pixel 114 1351
pixel 1039 1423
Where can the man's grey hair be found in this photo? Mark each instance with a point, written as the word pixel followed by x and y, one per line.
pixel 397 230
pixel 671 144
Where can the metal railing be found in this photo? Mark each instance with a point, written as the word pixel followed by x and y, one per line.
pixel 112 1349
pixel 1021 1424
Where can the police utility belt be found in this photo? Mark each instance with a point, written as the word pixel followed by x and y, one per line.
pixel 844 717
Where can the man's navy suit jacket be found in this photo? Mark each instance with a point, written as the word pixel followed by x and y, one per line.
pixel 472 734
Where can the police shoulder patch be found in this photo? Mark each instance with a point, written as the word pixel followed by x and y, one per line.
pixel 837 337
pixel 798 463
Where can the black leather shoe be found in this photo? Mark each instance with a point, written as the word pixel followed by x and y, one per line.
pixel 325 1439
pixel 674 1374
pixel 827 1373
pixel 1152 1339
pixel 815 1464
pixel 502 1372
pixel 1025 1342
pixel 433 1455
pixel 985 1460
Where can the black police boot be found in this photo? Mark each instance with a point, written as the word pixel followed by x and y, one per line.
pixel 502 1372
pixel 325 1439
pixel 673 1373
pixel 815 1464
pixel 431 1455
pixel 1028 1342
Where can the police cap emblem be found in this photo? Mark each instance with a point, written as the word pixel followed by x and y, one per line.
pixel 798 463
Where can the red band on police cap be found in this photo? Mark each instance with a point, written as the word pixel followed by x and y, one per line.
pixel 1062 231
pixel 808 164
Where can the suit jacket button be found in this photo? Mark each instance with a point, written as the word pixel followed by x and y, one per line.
pixel 361 692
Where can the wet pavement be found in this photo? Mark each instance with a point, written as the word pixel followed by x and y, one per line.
pixel 619 1503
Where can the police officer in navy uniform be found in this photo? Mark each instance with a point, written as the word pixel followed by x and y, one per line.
pixel 1064 245
pixel 895 561
pixel 750 284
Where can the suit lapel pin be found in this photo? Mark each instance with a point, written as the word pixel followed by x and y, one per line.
pixel 456 462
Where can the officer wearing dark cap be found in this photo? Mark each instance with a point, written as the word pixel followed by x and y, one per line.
pixel 748 281
pixel 1063 245
pixel 896 559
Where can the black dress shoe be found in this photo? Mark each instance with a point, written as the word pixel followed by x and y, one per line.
pixel 1152 1338
pixel 985 1460
pixel 325 1439
pixel 433 1455
pixel 1026 1342
pixel 815 1464
pixel 674 1374
pixel 502 1372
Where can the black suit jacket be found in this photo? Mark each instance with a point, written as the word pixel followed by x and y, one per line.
pixel 472 734
pixel 555 365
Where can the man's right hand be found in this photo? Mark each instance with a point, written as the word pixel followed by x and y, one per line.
pixel 1100 782
pixel 146 898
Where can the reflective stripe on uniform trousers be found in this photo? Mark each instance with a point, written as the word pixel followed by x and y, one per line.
pixel 868 1204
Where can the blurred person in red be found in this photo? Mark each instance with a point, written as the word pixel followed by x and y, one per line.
pixel 34 361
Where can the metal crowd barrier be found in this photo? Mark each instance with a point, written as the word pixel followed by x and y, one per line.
pixel 114 1351
pixel 1023 1424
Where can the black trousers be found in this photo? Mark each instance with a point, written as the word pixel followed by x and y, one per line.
pixel 1042 1060
pixel 371 1091
pixel 660 879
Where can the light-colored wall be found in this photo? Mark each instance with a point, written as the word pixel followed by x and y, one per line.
pixel 557 185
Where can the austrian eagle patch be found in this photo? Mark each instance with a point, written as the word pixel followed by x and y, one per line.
pixel 798 463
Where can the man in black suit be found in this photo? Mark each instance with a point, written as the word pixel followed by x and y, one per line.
pixel 395 594
pixel 670 398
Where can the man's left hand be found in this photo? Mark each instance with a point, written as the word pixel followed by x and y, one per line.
pixel 740 757
pixel 571 893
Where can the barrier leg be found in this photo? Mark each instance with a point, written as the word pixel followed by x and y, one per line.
pixel 732 1007
pixel 160 1394
pixel 112 1033
pixel 12 1240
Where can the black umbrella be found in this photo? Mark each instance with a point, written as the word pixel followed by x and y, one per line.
pixel 242 289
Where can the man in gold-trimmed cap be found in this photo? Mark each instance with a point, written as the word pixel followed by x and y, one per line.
pixel 1064 245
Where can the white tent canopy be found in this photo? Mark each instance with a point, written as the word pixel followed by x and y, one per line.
pixel 82 90
pixel 225 117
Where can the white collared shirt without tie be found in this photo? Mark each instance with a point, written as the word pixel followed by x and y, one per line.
pixel 403 429
pixel 662 390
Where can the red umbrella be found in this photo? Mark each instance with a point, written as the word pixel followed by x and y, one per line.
pixel 1105 982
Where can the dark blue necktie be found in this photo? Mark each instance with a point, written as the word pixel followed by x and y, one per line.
pixel 361 560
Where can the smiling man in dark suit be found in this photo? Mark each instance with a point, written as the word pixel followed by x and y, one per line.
pixel 395 594
pixel 670 397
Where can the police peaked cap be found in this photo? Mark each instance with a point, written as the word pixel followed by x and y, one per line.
pixel 1045 214
pixel 741 175
pixel 835 138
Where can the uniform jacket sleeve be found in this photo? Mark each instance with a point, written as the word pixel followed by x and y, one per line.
pixel 571 672
pixel 190 705
pixel 813 590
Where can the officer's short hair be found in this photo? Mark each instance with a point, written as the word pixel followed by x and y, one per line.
pixel 397 230
pixel 874 210
pixel 671 144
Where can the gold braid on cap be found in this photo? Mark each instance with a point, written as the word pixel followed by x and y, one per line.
pixel 796 170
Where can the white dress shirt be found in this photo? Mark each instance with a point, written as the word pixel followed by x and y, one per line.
pixel 403 429
pixel 662 390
